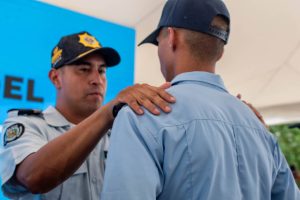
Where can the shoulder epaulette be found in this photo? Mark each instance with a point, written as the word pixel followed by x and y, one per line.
pixel 24 112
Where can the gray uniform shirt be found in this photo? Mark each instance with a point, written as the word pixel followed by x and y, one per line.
pixel 34 132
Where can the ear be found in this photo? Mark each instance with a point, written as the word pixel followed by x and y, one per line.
pixel 171 38
pixel 54 76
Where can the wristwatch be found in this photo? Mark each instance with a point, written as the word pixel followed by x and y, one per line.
pixel 117 108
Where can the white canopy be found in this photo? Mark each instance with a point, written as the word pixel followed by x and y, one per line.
pixel 261 60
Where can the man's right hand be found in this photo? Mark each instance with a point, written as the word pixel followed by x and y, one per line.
pixel 147 96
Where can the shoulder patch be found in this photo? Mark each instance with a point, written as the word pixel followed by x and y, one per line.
pixel 24 112
pixel 13 132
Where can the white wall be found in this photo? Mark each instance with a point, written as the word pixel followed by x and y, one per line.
pixel 147 67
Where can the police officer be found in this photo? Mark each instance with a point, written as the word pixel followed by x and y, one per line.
pixel 59 153
pixel 211 146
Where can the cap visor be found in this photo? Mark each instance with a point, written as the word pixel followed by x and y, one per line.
pixel 152 38
pixel 110 56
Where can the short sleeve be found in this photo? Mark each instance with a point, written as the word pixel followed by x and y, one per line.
pixel 21 137
pixel 133 169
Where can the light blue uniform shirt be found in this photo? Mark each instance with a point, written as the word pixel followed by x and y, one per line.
pixel 84 184
pixel 211 147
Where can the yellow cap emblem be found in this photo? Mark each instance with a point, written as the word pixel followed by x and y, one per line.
pixel 56 55
pixel 88 41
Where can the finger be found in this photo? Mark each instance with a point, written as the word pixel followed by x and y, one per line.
pixel 126 96
pixel 258 115
pixel 135 97
pixel 161 103
pixel 162 94
pixel 254 110
pixel 135 107
pixel 166 96
pixel 146 103
pixel 158 97
pixel 147 96
pixel 165 85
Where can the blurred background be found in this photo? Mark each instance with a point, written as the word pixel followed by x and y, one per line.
pixel 261 60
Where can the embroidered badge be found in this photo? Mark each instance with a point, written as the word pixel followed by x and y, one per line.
pixel 88 41
pixel 56 57
pixel 13 132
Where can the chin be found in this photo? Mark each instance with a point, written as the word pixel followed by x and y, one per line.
pixel 93 105
pixel 90 109
pixel 96 105
pixel 95 100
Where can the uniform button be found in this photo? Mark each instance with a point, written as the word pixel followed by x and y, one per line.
pixel 94 180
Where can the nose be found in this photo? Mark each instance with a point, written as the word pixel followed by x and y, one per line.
pixel 96 78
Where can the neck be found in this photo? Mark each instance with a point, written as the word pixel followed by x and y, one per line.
pixel 71 113
pixel 72 117
pixel 189 64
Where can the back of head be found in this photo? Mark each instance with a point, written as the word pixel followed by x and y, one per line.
pixel 205 47
pixel 193 15
pixel 205 24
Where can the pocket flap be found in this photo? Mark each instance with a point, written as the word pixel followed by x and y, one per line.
pixel 81 169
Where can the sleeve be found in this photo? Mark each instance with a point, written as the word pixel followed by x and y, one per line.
pixel 284 186
pixel 20 138
pixel 133 169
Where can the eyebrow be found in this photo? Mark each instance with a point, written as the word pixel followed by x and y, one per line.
pixel 82 62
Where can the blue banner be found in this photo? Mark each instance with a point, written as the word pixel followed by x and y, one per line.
pixel 29 31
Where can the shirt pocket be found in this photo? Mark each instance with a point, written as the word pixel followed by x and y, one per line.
pixel 70 188
pixel 77 186
pixel 53 194
pixel 81 170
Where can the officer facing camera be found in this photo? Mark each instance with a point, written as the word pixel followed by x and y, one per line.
pixel 59 153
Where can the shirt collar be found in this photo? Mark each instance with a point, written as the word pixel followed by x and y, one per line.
pixel 204 77
pixel 54 118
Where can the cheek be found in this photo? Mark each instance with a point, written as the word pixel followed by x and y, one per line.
pixel 72 86
pixel 105 86
pixel 103 80
pixel 160 53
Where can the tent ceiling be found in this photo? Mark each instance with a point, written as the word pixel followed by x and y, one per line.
pixel 261 61
pixel 128 13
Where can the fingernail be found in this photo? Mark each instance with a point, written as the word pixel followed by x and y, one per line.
pixel 172 99
pixel 167 109
pixel 140 111
pixel 156 111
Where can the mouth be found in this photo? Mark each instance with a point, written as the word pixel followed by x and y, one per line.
pixel 95 94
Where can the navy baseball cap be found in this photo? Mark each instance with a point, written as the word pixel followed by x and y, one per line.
pixel 70 48
pixel 195 15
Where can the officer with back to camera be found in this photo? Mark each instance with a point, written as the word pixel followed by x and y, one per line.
pixel 211 146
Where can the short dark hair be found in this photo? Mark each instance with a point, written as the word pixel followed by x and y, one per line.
pixel 203 46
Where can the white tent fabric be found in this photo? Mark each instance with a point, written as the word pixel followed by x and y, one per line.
pixel 261 61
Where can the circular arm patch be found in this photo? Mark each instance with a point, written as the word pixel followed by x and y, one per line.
pixel 13 132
